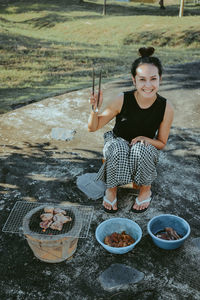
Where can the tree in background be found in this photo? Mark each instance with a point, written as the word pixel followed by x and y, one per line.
pixel 161 2
pixel 181 8
pixel 104 8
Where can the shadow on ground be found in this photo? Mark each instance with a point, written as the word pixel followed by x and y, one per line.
pixel 33 172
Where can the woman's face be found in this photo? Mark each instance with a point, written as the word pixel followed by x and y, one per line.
pixel 147 80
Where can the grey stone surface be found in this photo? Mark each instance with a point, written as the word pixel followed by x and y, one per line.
pixel 35 167
pixel 90 187
pixel 196 242
pixel 118 275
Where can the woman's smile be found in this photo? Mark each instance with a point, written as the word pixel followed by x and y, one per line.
pixel 147 81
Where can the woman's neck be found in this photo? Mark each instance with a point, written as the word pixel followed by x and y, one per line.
pixel 144 102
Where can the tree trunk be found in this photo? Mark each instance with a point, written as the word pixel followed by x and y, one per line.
pixel 104 8
pixel 161 2
pixel 181 8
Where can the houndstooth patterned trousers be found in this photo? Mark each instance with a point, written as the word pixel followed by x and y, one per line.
pixel 125 163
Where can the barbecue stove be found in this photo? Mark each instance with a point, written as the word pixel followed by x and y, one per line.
pixel 51 245
pixel 47 244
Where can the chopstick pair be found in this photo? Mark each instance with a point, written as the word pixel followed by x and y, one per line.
pixel 93 84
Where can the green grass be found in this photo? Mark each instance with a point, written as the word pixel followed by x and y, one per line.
pixel 49 47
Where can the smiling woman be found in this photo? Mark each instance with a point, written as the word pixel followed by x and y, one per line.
pixel 143 121
pixel 48 47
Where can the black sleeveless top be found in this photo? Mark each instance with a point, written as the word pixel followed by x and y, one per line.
pixel 135 121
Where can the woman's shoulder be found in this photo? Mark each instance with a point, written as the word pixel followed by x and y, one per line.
pixel 167 107
pixel 121 100
pixel 166 102
pixel 117 103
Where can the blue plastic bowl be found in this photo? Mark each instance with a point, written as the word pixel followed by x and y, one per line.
pixel 158 223
pixel 118 225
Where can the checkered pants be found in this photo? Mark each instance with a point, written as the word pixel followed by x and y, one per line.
pixel 125 164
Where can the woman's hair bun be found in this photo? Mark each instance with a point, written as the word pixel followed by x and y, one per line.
pixel 146 51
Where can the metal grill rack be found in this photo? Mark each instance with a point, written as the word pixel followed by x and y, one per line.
pixel 14 222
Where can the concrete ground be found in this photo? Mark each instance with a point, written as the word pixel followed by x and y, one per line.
pixel 38 168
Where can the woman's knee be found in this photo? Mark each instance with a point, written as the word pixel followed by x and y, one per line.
pixel 141 150
pixel 138 149
pixel 115 149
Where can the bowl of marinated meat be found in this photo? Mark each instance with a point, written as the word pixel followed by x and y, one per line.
pixel 118 235
pixel 168 231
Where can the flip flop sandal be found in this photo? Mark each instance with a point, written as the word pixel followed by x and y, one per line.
pixel 139 211
pixel 110 211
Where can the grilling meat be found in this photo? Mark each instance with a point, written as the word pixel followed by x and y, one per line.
pixel 46 217
pixel 57 225
pixel 61 218
pixel 45 224
pixel 49 209
pixel 58 210
pixel 54 218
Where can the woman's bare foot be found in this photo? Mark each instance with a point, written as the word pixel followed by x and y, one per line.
pixel 111 194
pixel 144 194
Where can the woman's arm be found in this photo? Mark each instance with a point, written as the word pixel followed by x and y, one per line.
pixel 97 121
pixel 163 132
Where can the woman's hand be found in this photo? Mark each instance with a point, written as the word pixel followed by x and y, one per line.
pixel 94 99
pixel 142 139
pixel 98 120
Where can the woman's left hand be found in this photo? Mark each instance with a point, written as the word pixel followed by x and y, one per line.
pixel 141 139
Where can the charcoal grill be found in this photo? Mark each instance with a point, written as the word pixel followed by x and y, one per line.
pixel 49 245
pixel 35 220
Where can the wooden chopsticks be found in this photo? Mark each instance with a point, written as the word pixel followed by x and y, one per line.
pixel 93 84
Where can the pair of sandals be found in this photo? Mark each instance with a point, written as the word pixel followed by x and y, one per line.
pixel 112 211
